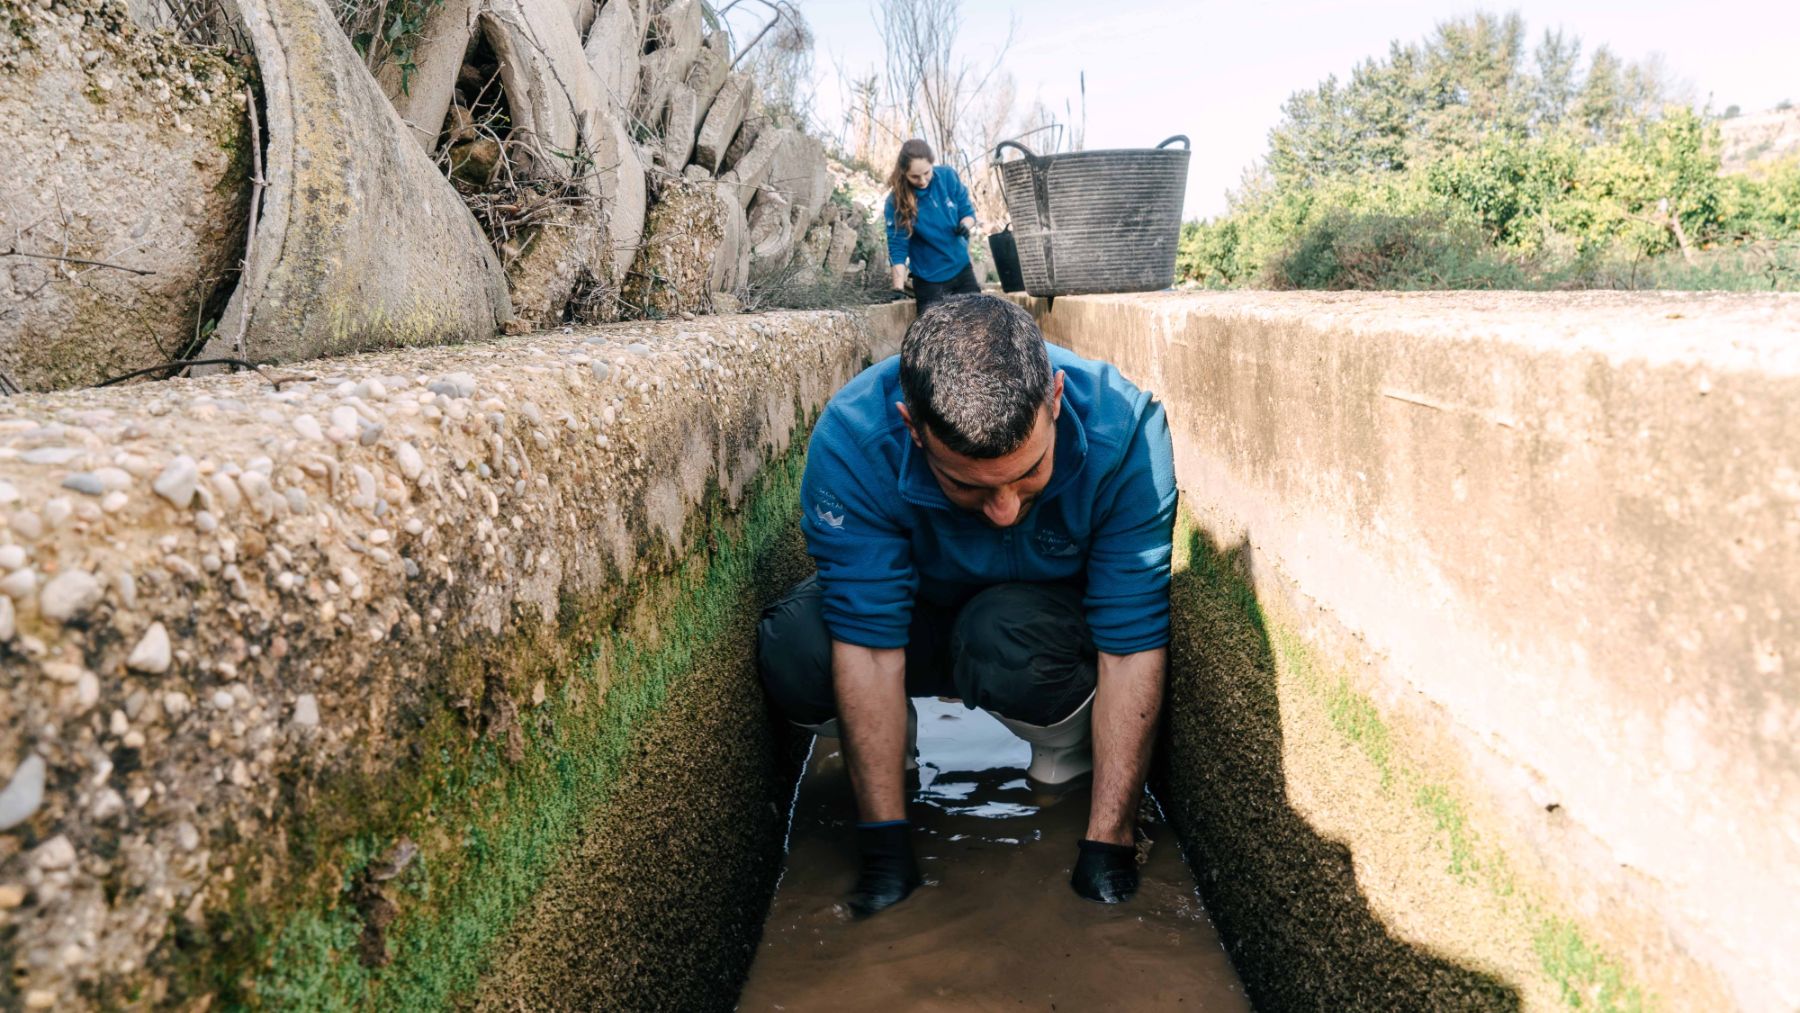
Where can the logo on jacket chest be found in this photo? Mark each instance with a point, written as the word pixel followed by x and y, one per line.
pixel 1055 543
pixel 828 509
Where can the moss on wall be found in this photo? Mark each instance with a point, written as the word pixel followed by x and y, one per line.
pixel 1342 871
pixel 573 795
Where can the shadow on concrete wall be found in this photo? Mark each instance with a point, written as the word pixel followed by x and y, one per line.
pixel 1285 899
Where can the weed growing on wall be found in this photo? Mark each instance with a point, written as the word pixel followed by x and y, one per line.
pixel 487 827
pixel 1254 706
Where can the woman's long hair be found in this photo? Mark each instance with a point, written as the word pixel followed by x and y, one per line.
pixel 906 202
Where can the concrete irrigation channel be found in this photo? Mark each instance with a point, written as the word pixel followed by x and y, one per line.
pixel 424 681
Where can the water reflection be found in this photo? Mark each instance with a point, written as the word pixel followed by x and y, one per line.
pixel 996 926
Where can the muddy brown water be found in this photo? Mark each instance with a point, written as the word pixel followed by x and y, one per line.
pixel 996 926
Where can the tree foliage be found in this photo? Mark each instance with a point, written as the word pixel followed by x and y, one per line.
pixel 1477 157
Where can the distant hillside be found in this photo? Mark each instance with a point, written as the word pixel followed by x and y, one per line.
pixel 1759 138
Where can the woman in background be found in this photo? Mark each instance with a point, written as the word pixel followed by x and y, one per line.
pixel 929 221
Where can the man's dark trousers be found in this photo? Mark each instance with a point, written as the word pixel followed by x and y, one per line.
pixel 1020 650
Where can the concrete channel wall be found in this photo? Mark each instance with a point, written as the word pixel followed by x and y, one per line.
pixel 1486 689
pixel 423 679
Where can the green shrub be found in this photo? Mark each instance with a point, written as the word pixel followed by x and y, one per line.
pixel 1376 250
pixel 1525 176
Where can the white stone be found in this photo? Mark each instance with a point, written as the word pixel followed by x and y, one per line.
pixel 55 853
pixel 227 489
pixel 50 455
pixel 57 510
pixel 255 485
pixel 306 711
pixel 9 619
pixel 223 700
pixel 308 427
pixel 11 557
pixel 67 673
pixel 178 481
pixel 152 653
pixel 27 524
pixel 176 704
pixel 23 794
pixel 19 583
pixel 205 522
pixel 453 385
pixel 87 691
pixel 9 493
pixel 107 804
pixel 411 464
pixel 113 502
pixel 113 479
pixel 70 594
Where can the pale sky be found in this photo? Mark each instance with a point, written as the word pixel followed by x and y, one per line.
pixel 1218 72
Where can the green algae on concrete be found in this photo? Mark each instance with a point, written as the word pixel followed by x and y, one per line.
pixel 1261 726
pixel 1549 537
pixel 490 830
pixel 347 695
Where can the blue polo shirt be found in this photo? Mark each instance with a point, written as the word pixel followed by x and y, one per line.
pixel 883 533
pixel 933 251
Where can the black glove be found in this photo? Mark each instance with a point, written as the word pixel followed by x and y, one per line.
pixel 889 871
pixel 1107 873
pixel 891 295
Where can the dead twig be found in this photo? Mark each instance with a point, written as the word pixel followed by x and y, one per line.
pixel 175 364
pixel 72 260
pixel 256 191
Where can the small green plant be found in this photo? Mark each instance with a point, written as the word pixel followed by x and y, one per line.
pixel 388 32
pixel 1589 981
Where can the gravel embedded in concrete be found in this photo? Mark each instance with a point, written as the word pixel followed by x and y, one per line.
pixel 69 595
pixel 304 579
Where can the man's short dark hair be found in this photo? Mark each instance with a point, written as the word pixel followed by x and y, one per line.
pixel 974 371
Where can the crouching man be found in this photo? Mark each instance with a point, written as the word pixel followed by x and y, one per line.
pixel 991 518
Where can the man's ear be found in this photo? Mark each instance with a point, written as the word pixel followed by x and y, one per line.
pixel 911 428
pixel 1056 391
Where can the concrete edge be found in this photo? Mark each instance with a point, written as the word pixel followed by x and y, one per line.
pixel 231 603
pixel 1447 518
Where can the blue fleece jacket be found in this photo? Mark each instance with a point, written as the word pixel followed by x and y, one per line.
pixel 882 531
pixel 933 251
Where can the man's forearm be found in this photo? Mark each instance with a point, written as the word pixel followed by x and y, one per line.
pixel 871 699
pixel 1125 711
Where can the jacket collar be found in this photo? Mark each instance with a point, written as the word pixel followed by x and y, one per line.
pixel 918 486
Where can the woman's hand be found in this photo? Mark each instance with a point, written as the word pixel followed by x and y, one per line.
pixel 968 226
pixel 899 277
